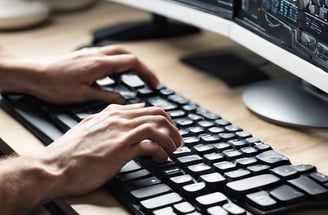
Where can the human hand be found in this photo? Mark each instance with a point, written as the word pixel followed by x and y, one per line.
pixel 72 77
pixel 96 149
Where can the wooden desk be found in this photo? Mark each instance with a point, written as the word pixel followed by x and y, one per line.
pixel 66 32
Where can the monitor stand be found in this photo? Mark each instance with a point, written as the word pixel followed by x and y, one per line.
pixel 157 27
pixel 288 102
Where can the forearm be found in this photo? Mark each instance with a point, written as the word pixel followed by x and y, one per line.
pixel 25 183
pixel 17 75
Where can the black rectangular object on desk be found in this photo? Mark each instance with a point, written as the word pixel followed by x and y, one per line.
pixel 227 66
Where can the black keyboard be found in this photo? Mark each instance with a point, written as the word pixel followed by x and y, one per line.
pixel 221 169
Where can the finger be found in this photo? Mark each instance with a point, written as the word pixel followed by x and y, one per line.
pixel 148 148
pixel 113 50
pixel 125 107
pixel 161 125
pixel 144 129
pixel 92 93
pixel 124 62
pixel 148 111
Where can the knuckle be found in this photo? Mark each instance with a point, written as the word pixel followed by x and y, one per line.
pixel 134 59
pixel 158 110
pixel 119 48
pixel 83 52
pixel 147 127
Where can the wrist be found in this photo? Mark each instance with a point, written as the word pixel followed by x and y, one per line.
pixel 26 181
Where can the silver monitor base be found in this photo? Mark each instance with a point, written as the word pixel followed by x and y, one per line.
pixel 287 102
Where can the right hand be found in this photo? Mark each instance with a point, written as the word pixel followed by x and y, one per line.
pixel 96 149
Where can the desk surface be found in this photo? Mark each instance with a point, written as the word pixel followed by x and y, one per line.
pixel 66 32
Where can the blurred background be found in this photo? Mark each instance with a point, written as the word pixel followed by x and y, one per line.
pixel 19 14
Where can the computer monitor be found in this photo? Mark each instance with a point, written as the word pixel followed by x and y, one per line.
pixel 291 34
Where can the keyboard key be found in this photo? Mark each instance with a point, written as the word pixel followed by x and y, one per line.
pixel 210 138
pixel 214 181
pixel 272 158
pixel 249 151
pixel 178 99
pixel 203 148
pixel 309 186
pixel 213 157
pixel 234 209
pixel 180 180
pixel 206 123
pixel 243 134
pixel 64 121
pixel 160 201
pixel 183 208
pixel 222 122
pixel 262 200
pixel 222 146
pixel 189 159
pixel 191 191
pixel 217 210
pixel 142 183
pixel 287 195
pixel 133 175
pixel 206 114
pixel 184 150
pixel 176 113
pixel 304 168
pixel 232 128
pixel 166 91
pixel 237 174
pixel 143 92
pixel 238 143
pixel 244 162
pixel 232 154
pixel 262 146
pixel 320 177
pixel 165 211
pixel 162 103
pixel 208 200
pixel 199 169
pixel 130 166
pixel 105 81
pixel 149 191
pixel 195 117
pixel 169 172
pixel 259 168
pixel 285 171
pixel 191 140
pixel 132 80
pixel 216 129
pixel 225 166
pixel 189 107
pixel 183 122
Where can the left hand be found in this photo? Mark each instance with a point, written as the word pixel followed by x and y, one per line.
pixel 71 77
